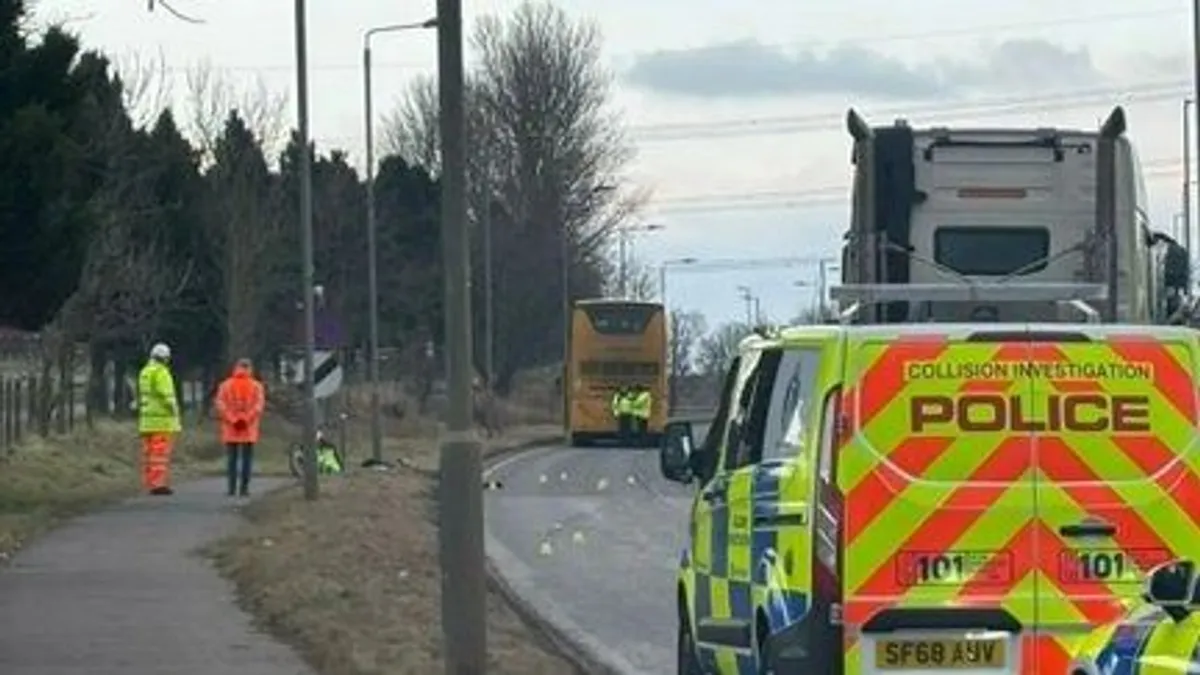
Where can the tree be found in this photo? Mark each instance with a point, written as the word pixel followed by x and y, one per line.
pixel 686 328
pixel 546 153
pixel 243 228
pixel 717 349
pixel 44 180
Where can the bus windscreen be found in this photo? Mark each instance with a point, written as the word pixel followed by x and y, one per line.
pixel 623 320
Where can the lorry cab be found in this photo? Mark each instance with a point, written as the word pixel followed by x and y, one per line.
pixel 976 497
pixel 1047 205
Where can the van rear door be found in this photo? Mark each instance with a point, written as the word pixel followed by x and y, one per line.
pixel 1118 488
pixel 936 477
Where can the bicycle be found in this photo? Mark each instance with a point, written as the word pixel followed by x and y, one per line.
pixel 296 456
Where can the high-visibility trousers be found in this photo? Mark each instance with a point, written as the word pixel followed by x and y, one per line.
pixel 156 460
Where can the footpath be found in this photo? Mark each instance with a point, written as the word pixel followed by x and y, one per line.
pixel 123 592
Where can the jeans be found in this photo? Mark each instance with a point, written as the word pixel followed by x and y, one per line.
pixel 235 453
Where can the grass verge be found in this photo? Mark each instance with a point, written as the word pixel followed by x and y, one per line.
pixel 352 580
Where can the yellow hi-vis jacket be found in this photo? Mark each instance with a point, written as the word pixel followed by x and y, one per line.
pixel 620 404
pixel 640 405
pixel 158 409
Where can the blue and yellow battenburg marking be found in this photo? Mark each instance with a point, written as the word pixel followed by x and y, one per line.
pixel 746 567
pixel 1148 642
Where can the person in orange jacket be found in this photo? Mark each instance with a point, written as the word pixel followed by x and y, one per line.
pixel 239 404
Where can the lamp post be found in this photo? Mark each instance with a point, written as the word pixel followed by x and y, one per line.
pixel 626 233
pixel 372 228
pixel 565 254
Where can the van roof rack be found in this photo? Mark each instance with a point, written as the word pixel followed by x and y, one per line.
pixel 1077 295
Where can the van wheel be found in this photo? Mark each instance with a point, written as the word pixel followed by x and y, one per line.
pixel 687 660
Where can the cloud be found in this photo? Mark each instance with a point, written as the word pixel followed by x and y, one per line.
pixel 747 68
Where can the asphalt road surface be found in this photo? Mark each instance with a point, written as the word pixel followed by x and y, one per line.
pixel 592 537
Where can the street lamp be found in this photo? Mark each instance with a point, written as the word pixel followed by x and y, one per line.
pixel 565 253
pixel 372 229
pixel 753 308
pixel 625 234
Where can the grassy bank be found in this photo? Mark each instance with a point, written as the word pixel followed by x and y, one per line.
pixel 353 582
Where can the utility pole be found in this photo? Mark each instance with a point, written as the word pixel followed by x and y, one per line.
pixel 460 499
pixel 372 255
pixel 311 485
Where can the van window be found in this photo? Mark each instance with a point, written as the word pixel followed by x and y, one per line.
pixel 743 444
pixel 991 251
pixel 791 404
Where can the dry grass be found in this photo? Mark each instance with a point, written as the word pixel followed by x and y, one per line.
pixel 44 481
pixel 353 580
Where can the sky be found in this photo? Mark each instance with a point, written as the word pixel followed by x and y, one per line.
pixel 737 116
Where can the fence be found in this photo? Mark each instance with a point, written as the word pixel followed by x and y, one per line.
pixel 34 405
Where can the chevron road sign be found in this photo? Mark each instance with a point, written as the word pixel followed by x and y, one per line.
pixel 328 373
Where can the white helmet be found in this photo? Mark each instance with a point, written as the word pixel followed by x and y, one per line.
pixel 160 351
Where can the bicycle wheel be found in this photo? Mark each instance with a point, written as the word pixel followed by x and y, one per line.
pixel 296 460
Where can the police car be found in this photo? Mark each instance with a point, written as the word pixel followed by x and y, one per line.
pixel 982 498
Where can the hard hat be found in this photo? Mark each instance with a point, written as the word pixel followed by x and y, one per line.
pixel 160 351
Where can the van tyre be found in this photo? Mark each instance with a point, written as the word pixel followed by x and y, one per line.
pixel 687 660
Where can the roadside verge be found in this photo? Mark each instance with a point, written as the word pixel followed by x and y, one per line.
pixel 352 580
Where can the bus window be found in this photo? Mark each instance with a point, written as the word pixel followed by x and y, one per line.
pixel 627 320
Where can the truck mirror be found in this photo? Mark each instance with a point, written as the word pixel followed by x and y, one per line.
pixel 1177 271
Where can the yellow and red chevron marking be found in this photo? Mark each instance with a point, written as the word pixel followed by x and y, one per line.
pixel 871 491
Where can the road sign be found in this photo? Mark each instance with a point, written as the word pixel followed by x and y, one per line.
pixel 328 373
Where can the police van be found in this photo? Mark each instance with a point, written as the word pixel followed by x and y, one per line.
pixel 920 498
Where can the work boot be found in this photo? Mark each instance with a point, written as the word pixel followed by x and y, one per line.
pixel 162 491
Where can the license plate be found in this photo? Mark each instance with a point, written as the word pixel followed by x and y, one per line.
pixel 940 654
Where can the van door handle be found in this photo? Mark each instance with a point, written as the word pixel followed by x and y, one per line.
pixel 1087 529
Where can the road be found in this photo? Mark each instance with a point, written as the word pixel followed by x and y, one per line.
pixel 591 538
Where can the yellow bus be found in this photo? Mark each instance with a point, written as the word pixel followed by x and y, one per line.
pixel 614 343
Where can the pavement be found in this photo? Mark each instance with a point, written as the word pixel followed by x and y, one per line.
pixel 122 592
pixel 590 538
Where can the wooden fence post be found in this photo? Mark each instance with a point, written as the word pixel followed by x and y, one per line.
pixel 18 407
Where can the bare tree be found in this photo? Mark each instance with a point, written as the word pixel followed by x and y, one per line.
pixel 146 87
pixel 717 349
pixel 687 328
pixel 411 130
pixel 211 95
pixel 641 283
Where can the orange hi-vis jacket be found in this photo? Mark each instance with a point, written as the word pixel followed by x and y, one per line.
pixel 240 401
